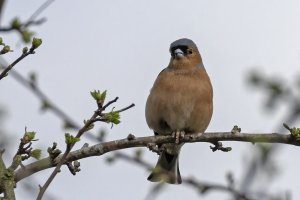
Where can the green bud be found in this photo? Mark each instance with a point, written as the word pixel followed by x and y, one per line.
pixel 25 50
pixel 202 189
pixel 110 159
pixel 33 79
pixel 69 125
pixel 26 36
pixel 295 132
pixel 1 41
pixel 36 153
pixel 36 42
pixel 70 139
pixel 45 105
pixel 5 49
pixel 256 78
pixel 30 135
pixel 15 23
pixel 138 153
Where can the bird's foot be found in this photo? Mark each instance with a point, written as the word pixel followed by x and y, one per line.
pixel 178 136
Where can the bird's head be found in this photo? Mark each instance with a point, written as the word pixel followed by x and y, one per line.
pixel 184 54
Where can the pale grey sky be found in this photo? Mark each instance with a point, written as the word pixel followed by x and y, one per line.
pixel 121 46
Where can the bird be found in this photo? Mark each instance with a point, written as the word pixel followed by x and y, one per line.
pixel 180 102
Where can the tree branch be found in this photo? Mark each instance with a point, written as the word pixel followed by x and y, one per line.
pixel 202 187
pixel 9 67
pixel 34 88
pixel 64 156
pixel 105 147
pixel 36 42
pixel 111 117
pixel 31 21
pixel 7 183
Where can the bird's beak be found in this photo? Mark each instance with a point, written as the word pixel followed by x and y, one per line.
pixel 178 53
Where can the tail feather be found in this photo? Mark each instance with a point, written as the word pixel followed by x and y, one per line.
pixel 166 169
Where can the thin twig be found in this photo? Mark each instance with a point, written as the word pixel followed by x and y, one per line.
pixel 109 103
pixel 198 185
pixel 88 124
pixel 63 158
pixel 8 68
pixel 126 108
pixel 31 21
pixel 43 7
pixel 203 188
pixel 44 98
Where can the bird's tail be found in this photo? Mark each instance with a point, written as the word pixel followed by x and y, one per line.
pixel 166 169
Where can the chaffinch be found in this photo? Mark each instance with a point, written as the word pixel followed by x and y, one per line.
pixel 180 101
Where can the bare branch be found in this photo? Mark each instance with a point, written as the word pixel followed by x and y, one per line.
pixel 200 186
pixel 205 187
pixel 105 147
pixel 43 7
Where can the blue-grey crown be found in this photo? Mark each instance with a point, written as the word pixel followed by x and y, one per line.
pixel 183 42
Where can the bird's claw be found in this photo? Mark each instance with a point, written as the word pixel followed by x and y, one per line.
pixel 178 136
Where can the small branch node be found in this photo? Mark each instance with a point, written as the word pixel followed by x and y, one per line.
pixel 53 151
pixel 85 145
pixel 154 148
pixel 236 129
pixel 73 167
pixel 130 137
pixel 219 146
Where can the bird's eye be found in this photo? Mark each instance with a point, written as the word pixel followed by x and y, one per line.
pixel 190 51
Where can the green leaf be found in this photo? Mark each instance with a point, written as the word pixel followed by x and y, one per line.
pixel 112 117
pixel 70 139
pixel 96 94
pixel 103 96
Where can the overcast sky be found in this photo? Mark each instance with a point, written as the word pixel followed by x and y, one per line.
pixel 121 46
